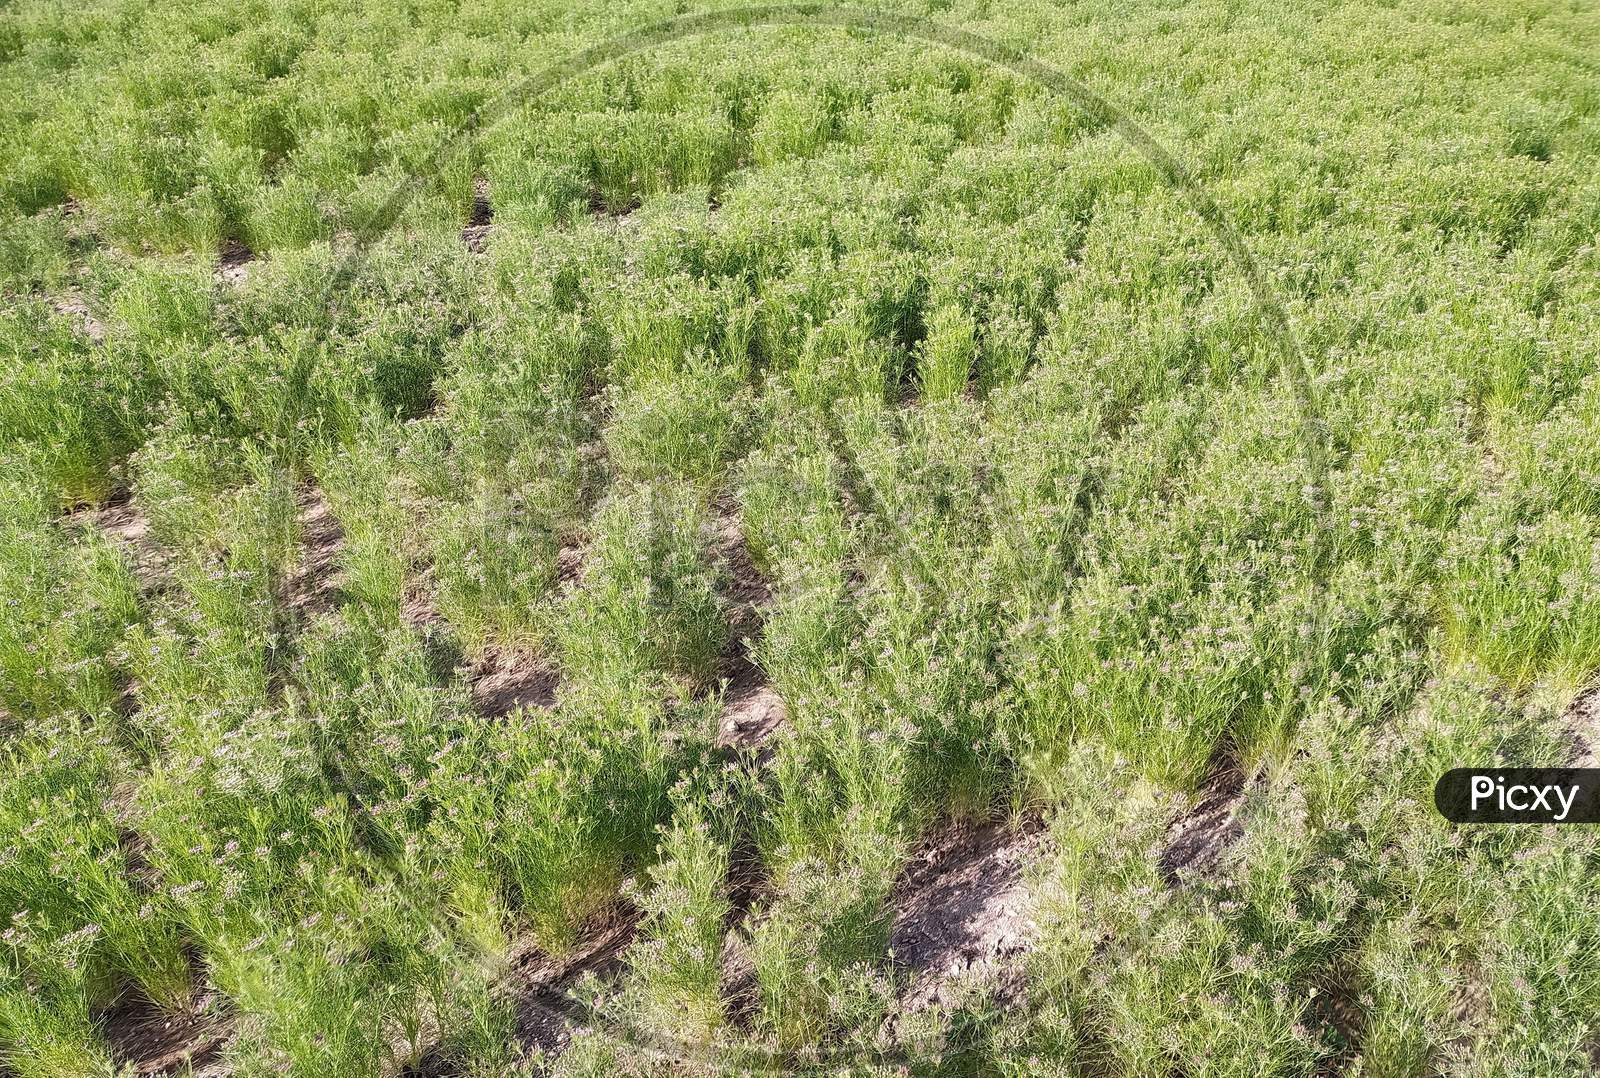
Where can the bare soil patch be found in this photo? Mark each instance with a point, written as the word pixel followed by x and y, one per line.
pixel 74 306
pixel 150 1042
pixel 751 710
pixel 234 262
pixel 416 606
pixel 124 523
pixel 1199 840
pixel 569 564
pixel 1471 1004
pixel 963 910
pixel 747 589
pixel 500 679
pixel 313 587
pixel 1583 729
pixel 542 984
pixel 748 883
pixel 739 989
pixel 476 233
pixel 504 680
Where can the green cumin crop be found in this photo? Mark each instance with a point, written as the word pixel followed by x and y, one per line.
pixel 390 623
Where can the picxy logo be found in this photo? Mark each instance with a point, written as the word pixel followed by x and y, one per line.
pixel 1519 795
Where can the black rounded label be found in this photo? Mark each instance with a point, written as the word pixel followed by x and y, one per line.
pixel 1519 795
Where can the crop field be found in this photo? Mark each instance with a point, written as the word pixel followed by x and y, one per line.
pixel 664 540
